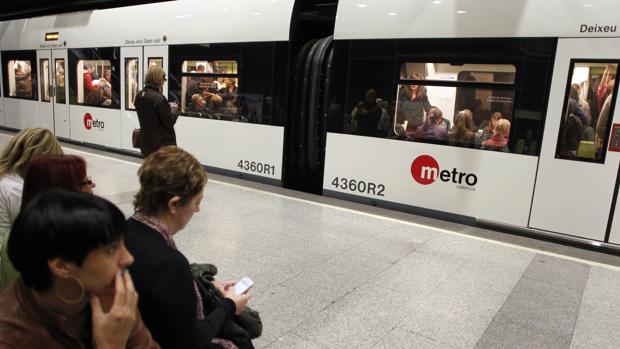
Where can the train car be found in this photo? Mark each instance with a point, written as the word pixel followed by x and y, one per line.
pixel 486 111
pixel 78 74
pixel 501 112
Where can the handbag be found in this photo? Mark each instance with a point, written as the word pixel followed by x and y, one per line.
pixel 243 327
pixel 135 138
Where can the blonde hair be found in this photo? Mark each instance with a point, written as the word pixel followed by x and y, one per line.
pixel 155 76
pixel 502 126
pixel 26 145
pixel 166 173
pixel 195 98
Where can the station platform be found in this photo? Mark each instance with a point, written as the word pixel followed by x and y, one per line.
pixel 336 274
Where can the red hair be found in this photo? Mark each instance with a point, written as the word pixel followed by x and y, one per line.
pixel 48 172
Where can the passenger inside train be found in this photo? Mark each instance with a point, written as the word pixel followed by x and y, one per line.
pixel 585 122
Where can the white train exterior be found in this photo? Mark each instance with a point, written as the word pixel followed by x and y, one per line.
pixel 544 193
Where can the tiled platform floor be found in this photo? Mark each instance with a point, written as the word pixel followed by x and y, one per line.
pixel 328 277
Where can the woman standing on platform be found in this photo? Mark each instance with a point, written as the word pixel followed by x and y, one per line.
pixel 156 116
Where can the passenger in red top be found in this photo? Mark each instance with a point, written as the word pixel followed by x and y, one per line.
pixel 88 78
pixel 607 84
pixel 499 141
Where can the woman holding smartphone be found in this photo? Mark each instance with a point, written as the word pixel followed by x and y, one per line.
pixel 171 189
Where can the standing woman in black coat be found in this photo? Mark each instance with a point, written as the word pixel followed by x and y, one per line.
pixel 155 114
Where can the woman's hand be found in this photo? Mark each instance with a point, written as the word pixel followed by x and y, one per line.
pixel 240 300
pixel 223 286
pixel 112 329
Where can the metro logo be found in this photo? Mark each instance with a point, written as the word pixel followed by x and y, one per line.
pixel 425 170
pixel 90 123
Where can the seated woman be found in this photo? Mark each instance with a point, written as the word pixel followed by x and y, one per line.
pixel 431 129
pixel 461 133
pixel 499 141
pixel 15 157
pixel 171 185
pixel 69 250
pixel 44 173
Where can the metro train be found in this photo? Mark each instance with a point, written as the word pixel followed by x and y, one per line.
pixel 487 111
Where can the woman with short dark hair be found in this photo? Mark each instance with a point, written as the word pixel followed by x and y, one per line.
pixel 70 252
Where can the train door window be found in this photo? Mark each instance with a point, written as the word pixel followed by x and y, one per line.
pixel 20 79
pixel 156 61
pixel 467 105
pixel 209 89
pixel 96 81
pixel 60 81
pixel 44 69
pixel 131 82
pixel 587 113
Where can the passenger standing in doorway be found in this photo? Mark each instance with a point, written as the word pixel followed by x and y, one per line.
pixel 156 116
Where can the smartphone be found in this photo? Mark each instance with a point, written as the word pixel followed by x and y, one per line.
pixel 243 285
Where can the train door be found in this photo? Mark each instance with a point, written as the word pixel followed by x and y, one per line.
pixel 614 234
pixel 578 166
pixel 157 55
pixel 45 109
pixel 59 89
pixel 131 83
pixel 2 120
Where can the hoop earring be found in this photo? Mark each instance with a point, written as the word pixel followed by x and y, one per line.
pixel 69 301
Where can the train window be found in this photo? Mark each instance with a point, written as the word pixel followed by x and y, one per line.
pixel 467 105
pixel 156 61
pixel 209 89
pixel 95 79
pixel 96 87
pixel 20 79
pixel 60 81
pixel 588 104
pixel 131 82
pixel 44 69
pixel 471 73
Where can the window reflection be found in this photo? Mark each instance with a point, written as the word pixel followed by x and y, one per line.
pixel 44 69
pixel 210 90
pixel 60 81
pixel 131 82
pixel 584 127
pixel 95 87
pixel 468 105
pixel 20 78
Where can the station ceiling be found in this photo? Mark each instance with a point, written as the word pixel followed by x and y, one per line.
pixel 35 8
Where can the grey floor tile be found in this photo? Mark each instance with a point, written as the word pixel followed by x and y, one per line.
pixel 418 274
pixel 402 339
pixel 598 325
pixel 453 246
pixel 557 271
pixel 551 308
pixel 357 320
pixel 454 326
pixel 336 277
pixel 292 341
pixel 385 249
pixel 537 313
pixel 506 334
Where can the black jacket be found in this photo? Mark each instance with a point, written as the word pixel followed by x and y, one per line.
pixel 156 120
pixel 167 301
